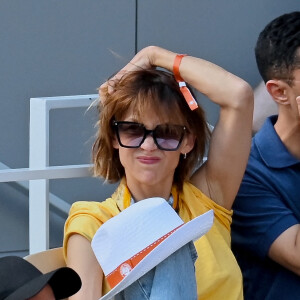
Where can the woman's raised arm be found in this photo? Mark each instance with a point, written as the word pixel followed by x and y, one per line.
pixel 221 175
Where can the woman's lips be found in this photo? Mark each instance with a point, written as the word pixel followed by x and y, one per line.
pixel 148 159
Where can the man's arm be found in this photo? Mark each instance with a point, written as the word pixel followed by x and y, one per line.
pixel 285 250
pixel 264 225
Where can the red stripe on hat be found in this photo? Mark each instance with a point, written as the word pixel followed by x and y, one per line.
pixel 117 275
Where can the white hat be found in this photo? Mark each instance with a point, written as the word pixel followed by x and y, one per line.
pixel 136 240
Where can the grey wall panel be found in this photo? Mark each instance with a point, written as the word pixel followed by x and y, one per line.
pixel 55 48
pixel 14 223
pixel 72 133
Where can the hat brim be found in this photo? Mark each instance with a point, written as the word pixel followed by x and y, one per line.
pixel 64 281
pixel 191 230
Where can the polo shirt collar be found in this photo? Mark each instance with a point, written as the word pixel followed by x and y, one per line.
pixel 270 147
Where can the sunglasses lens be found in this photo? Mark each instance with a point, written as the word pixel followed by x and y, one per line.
pixel 130 134
pixel 168 136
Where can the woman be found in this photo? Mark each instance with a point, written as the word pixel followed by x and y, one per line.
pixel 151 140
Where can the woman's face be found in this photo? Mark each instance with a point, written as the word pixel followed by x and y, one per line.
pixel 148 165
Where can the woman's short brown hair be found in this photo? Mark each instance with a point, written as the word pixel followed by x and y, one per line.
pixel 139 91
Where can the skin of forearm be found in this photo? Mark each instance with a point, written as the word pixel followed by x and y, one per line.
pixel 222 87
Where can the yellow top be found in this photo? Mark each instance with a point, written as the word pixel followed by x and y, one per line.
pixel 217 272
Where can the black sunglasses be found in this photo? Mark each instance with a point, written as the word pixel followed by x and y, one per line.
pixel 167 137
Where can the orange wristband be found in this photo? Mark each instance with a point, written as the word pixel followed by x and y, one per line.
pixel 176 65
pixel 192 103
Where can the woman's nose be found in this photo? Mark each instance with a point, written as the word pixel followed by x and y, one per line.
pixel 149 143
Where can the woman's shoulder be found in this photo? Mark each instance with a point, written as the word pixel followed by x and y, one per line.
pixel 84 206
pixel 94 207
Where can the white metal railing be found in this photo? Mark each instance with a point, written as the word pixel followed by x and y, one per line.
pixel 13 175
pixel 39 171
pixel 54 172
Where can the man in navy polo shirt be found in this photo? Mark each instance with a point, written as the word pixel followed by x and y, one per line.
pixel 265 229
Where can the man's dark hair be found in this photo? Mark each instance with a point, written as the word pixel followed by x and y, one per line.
pixel 277 49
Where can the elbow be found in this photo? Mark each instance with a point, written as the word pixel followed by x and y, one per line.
pixel 244 96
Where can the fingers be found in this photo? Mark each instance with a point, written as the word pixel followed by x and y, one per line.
pixel 141 61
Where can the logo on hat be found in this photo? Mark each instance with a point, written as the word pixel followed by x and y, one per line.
pixel 125 269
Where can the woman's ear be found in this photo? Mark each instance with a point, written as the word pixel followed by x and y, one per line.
pixel 188 144
pixel 115 142
pixel 278 89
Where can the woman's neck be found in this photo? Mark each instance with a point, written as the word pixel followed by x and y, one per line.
pixel 143 191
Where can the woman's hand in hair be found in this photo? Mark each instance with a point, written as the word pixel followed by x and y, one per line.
pixel 142 60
